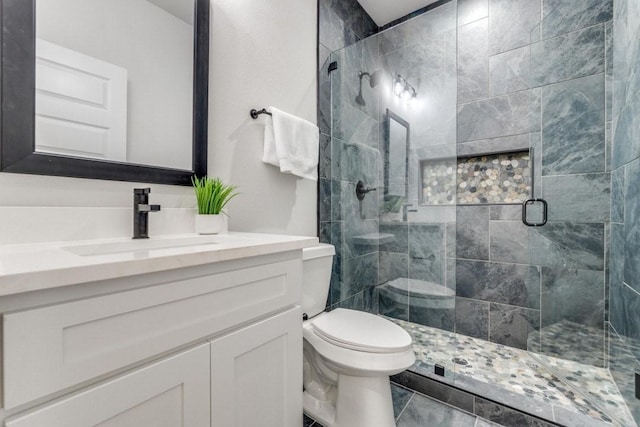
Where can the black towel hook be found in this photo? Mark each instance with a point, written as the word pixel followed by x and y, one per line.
pixel 255 113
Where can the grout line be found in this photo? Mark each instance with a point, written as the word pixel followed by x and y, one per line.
pixel 406 404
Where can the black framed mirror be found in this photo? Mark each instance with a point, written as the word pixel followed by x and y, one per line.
pixel 18 126
pixel 396 155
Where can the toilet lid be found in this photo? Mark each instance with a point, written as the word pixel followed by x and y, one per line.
pixel 361 331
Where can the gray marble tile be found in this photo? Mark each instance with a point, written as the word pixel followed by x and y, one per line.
pixel 393 304
pixel 435 389
pixel 572 295
pixel 423 64
pixel 506 416
pixel 495 145
pixel 337 275
pixel 472 232
pixel 617 309
pixel 429 269
pixel 324 167
pixel 356 226
pixel 359 273
pixel 400 232
pixel 426 240
pixel 565 16
pixel 338 191
pixel 509 325
pixel 354 302
pixel 423 411
pixel 419 29
pixel 569 56
pixel 617 195
pixel 535 111
pixel 573 126
pixel 434 316
pixel 494 117
pixel 392 266
pixel 622 365
pixel 506 212
pixel 450 239
pixel 352 125
pixel 626 133
pixel 578 198
pixel 401 397
pixel 512 22
pixel 473 61
pixel 354 162
pixel 472 10
pixel 371 301
pixel 536 153
pixel 510 71
pixel 632 225
pixel 472 318
pixel 509 242
pixel 631 334
pixel 495 282
pixel 608 149
pixel 332 32
pixel 324 202
pixel 569 245
pixel 325 232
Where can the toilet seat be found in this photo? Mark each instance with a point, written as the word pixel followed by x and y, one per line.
pixel 361 331
pixel 352 356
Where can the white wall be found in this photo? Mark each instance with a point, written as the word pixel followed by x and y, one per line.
pixel 264 53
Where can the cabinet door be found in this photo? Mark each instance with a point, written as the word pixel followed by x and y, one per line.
pixel 169 393
pixel 257 374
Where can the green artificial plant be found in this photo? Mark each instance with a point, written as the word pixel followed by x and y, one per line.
pixel 212 194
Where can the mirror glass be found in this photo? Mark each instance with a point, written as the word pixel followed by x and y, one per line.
pixel 396 155
pixel 114 80
pixel 105 89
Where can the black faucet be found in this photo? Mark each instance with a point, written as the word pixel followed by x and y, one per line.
pixel 141 209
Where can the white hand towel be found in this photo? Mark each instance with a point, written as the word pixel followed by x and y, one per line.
pixel 292 144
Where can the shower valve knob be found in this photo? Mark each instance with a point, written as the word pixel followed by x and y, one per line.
pixel 361 190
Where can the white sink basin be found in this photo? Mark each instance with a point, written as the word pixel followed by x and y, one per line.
pixel 122 246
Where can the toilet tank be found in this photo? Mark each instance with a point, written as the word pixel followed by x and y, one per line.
pixel 316 276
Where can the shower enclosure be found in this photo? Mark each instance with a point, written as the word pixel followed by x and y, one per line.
pixel 457 117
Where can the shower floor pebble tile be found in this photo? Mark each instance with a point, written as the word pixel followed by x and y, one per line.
pixel 468 360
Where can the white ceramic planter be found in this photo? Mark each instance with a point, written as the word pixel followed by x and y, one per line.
pixel 211 224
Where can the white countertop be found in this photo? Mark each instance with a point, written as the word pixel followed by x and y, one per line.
pixel 37 266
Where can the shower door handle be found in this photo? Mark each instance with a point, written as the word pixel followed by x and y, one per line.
pixel 529 202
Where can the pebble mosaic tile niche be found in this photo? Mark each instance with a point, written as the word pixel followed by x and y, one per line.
pixel 490 179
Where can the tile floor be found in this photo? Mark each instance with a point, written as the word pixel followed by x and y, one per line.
pixel 414 410
pixel 515 378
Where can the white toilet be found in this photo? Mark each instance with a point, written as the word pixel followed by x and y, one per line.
pixel 348 354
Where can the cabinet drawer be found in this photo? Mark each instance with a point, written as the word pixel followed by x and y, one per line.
pixel 172 392
pixel 50 348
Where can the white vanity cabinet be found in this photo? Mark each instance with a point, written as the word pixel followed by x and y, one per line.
pixel 210 345
pixel 172 392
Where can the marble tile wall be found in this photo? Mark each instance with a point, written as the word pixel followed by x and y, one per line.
pixel 498 75
pixel 541 78
pixel 348 149
pixel 624 260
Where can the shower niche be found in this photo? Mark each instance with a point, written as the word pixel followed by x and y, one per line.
pixel 493 178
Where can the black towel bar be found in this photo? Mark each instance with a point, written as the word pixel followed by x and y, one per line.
pixel 255 113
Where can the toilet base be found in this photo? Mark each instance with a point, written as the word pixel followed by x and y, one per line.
pixel 361 402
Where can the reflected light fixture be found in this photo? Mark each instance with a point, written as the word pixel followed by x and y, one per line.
pixel 402 88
